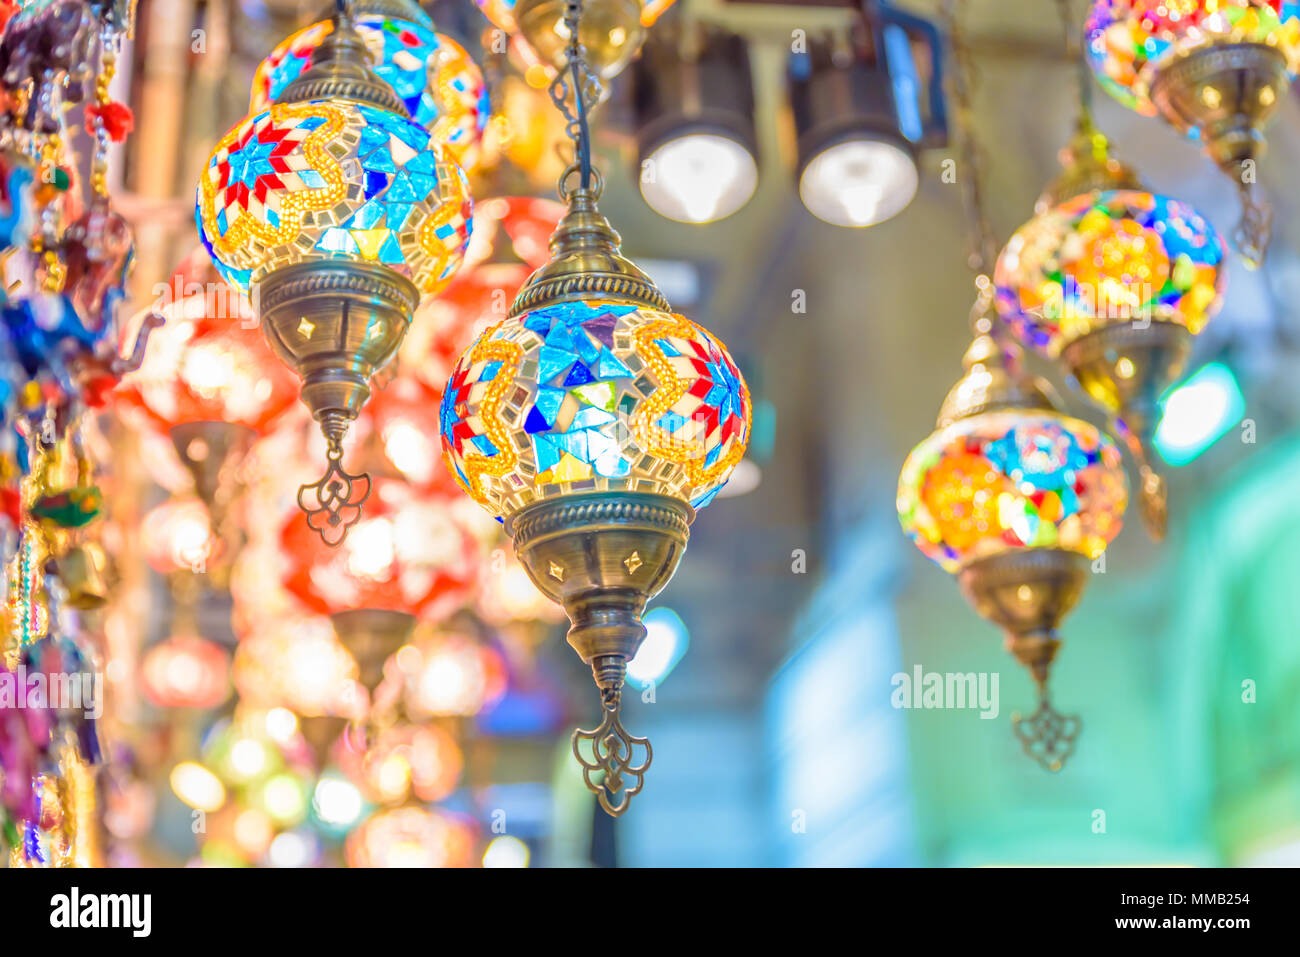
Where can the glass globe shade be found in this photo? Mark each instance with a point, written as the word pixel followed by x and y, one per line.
pixel 409 553
pixel 333 179
pixel 441 86
pixel 411 837
pixel 699 177
pixel 1129 41
pixel 208 362
pixel 1009 480
pixel 420 760
pixel 594 396
pixel 858 182
pixel 297 664
pixel 1119 256
pixel 186 671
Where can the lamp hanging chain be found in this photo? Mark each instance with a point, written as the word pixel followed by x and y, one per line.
pixel 578 80
pixel 983 245
pixel 1072 34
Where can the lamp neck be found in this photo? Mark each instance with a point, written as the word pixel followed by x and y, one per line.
pixel 341 69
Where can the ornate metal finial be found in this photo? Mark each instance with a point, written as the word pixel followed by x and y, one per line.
pixel 333 502
pixel 613 752
pixel 1087 165
pixel 340 70
pixel 603 555
pixel 1255 228
pixel 1047 736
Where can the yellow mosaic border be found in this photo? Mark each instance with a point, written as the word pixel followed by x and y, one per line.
pixel 670 390
pixel 294 205
pixel 475 466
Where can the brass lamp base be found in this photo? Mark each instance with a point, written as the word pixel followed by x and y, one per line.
pixel 1027 593
pixel 336 324
pixel 1226 95
pixel 610 32
pixel 1125 369
pixel 207 450
pixel 320 731
pixel 602 556
pixel 372 636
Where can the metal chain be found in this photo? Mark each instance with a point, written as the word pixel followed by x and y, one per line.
pixel 576 80
pixel 982 243
pixel 1073 34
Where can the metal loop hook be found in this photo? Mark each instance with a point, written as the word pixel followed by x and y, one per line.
pixel 595 189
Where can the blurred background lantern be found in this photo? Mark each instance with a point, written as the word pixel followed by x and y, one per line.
pixel 611 31
pixel 439 84
pixel 407 555
pixel 1008 493
pixel 422 762
pixel 208 383
pixel 1215 70
pixel 298 664
pixel 1014 498
pixel 451 674
pixel 178 536
pixel 1114 281
pixel 412 837
pixel 186 671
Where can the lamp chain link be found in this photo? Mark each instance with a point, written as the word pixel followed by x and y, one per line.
pixel 983 244
pixel 577 81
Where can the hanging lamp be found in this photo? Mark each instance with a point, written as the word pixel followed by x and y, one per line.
pixel 437 81
pixel 1215 70
pixel 1114 282
pixel 594 422
pixel 337 213
pixel 1009 494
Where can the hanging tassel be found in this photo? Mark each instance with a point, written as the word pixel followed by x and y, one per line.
pixel 117 118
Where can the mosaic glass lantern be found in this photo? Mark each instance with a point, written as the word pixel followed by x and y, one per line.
pixel 593 422
pixel 1015 498
pixel 338 212
pixel 1215 70
pixel 439 84
pixel 1114 282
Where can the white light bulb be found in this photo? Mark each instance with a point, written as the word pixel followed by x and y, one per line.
pixel 699 178
pixel 858 182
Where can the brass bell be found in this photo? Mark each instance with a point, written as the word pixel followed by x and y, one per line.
pixel 83 571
